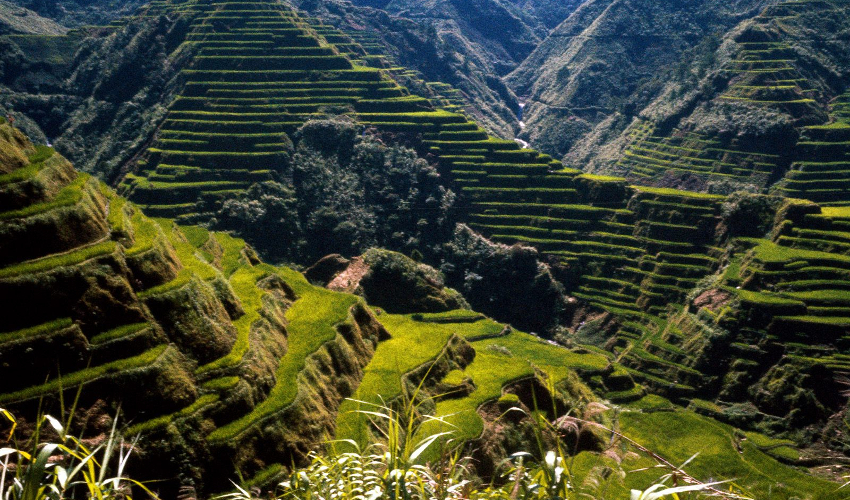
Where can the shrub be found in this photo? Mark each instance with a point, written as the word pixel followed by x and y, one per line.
pixel 749 215
pixel 394 468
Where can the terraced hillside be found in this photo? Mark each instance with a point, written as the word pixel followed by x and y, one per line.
pixel 644 255
pixel 763 343
pixel 235 354
pixel 820 168
pixel 607 62
pixel 221 136
pixel 228 127
pixel 467 44
pixel 364 47
pixel 634 252
pixel 481 370
pixel 237 365
pixel 191 323
pixel 651 156
pixel 759 114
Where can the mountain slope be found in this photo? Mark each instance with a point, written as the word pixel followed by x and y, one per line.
pixel 549 13
pixel 316 71
pixel 16 20
pixel 636 252
pixel 750 109
pixel 193 322
pixel 76 13
pixel 236 366
pixel 467 45
pixel 732 308
pixel 443 46
pixel 608 57
pixel 95 93
pixel 496 28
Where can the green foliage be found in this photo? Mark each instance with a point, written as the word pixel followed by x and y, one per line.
pixel 42 153
pixel 221 384
pixel 312 320
pixel 63 260
pixel 497 281
pixel 86 375
pixel 186 251
pixel 500 361
pixel 411 344
pixel 686 433
pixel 344 193
pixel 749 215
pixel 159 422
pixel 394 467
pixel 69 195
pixel 197 236
pixel 66 468
pixel 244 283
pixel 398 284
pixel 183 279
pixel 51 326
pixel 454 377
pixel 118 333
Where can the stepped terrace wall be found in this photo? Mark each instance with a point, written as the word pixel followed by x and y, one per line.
pixel 258 72
pixel 191 323
pixel 819 172
pixel 735 124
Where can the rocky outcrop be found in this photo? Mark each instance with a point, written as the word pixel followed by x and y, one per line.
pixel 326 269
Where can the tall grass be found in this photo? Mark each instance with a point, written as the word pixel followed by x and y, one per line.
pixel 397 467
pixel 65 467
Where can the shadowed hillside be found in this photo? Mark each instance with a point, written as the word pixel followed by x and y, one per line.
pixel 768 107
pixel 16 20
pixel 76 13
pixel 637 253
pixel 192 324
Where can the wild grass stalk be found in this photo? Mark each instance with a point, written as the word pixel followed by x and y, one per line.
pixel 397 467
pixel 65 467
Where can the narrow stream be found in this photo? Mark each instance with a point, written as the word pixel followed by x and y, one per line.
pixel 520 117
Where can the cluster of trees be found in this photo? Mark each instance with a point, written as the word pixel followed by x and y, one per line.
pixel 510 284
pixel 342 190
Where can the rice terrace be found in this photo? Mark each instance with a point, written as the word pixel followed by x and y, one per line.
pixel 415 250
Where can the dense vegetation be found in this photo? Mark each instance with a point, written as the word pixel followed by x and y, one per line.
pixel 719 313
pixel 97 94
pixel 272 328
pixel 699 112
pixel 17 20
pixel 342 191
pixel 468 45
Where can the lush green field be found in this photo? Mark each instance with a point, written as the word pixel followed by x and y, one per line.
pixel 498 361
pixel 312 321
pixel 723 453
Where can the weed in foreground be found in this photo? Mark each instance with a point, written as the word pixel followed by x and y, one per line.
pixel 65 467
